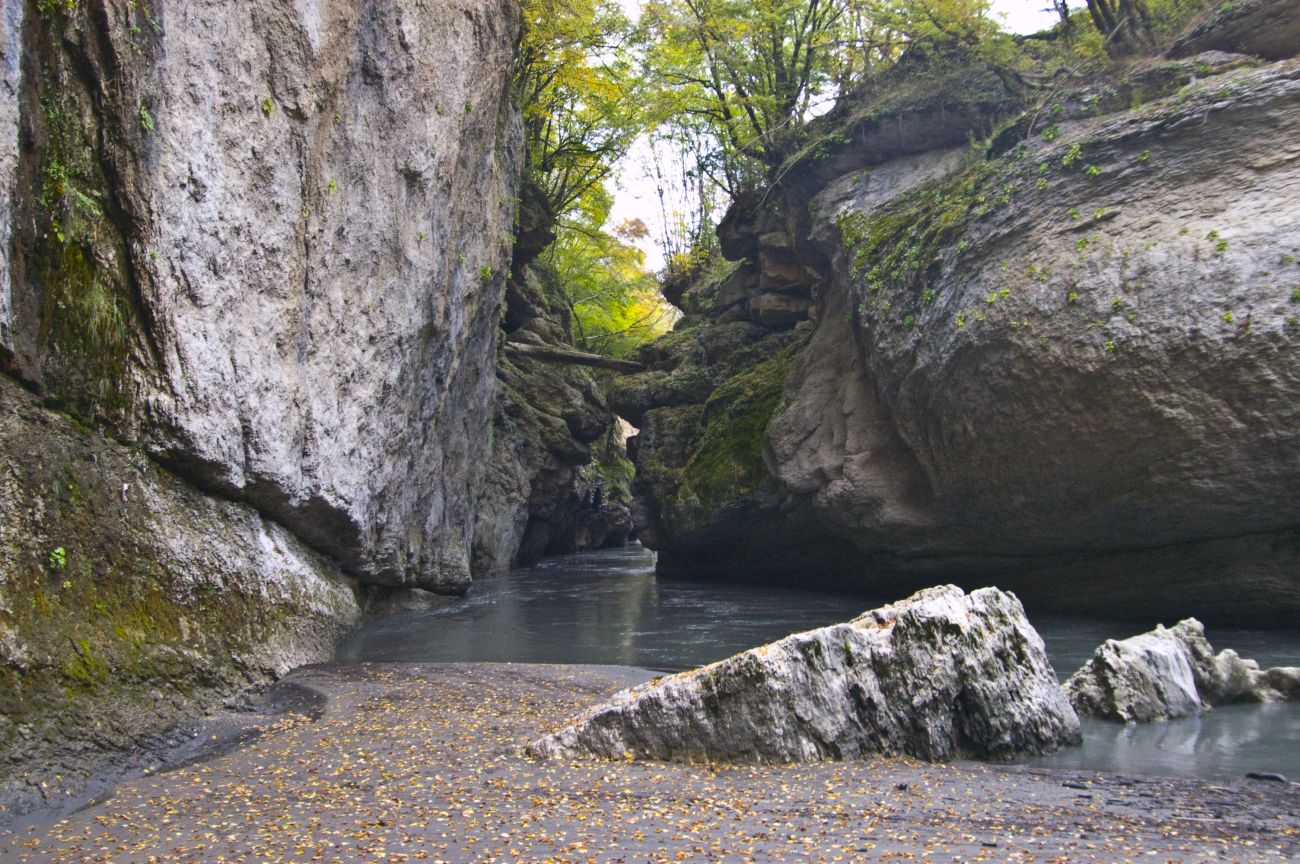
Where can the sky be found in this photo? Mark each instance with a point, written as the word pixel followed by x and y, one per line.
pixel 634 192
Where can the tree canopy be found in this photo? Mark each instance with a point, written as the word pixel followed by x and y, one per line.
pixel 724 91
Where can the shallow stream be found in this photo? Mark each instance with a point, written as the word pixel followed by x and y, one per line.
pixel 609 608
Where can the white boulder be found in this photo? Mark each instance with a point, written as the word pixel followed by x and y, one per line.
pixel 1169 673
pixel 939 675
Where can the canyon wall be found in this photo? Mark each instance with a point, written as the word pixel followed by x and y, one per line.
pixel 1062 360
pixel 253 259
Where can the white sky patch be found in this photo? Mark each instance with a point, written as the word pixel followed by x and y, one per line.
pixel 634 190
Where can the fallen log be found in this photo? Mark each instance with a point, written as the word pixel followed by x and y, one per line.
pixel 547 354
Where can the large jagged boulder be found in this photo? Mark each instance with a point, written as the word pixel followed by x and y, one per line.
pixel 1169 673
pixel 939 675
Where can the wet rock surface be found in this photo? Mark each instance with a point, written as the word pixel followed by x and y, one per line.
pixel 424 760
pixel 939 675
pixel 1170 673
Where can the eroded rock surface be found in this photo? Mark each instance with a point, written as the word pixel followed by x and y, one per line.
pixel 1064 361
pixel 1169 673
pixel 131 600
pixel 558 480
pixel 939 675
pixel 270 241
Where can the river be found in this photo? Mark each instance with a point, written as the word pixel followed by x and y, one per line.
pixel 609 608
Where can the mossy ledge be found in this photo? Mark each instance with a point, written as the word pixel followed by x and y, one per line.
pixel 129 601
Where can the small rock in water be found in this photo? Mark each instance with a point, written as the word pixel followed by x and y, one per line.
pixel 1265 775
pixel 938 675
pixel 1169 673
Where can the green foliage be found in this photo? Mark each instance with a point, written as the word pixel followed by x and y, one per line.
pixel 579 93
pixel 749 76
pixel 58 558
pixel 581 98
pixel 614 303
pixel 268 106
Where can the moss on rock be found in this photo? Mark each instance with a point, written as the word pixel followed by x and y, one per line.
pixel 728 461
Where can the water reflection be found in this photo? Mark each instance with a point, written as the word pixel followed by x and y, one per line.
pixel 1224 743
pixel 599 607
pixel 608 608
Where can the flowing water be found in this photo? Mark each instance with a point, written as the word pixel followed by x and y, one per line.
pixel 608 608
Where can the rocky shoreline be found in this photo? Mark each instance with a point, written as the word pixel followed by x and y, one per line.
pixel 424 762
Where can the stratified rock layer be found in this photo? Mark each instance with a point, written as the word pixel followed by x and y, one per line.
pixel 1169 673
pixel 939 675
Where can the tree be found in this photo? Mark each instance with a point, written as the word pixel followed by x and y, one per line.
pixel 614 302
pixel 1125 24
pixel 576 85
pixel 750 70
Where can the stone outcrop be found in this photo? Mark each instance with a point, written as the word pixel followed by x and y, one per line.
pixel 269 242
pixel 939 675
pixel 1062 360
pixel 129 601
pixel 1267 28
pixel 1169 673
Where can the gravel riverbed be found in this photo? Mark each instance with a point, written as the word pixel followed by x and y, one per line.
pixel 423 762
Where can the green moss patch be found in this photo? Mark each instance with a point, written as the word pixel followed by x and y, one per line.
pixel 728 462
pixel 79 257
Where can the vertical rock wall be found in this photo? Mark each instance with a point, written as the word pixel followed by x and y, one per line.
pixel 1063 361
pixel 283 231
pixel 252 265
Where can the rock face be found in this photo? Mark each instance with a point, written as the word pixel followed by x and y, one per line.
pixel 255 254
pixel 269 242
pixel 1171 673
pixel 939 675
pixel 132 601
pixel 1064 361
pixel 1268 28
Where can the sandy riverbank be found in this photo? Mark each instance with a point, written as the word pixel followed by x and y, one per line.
pixel 421 762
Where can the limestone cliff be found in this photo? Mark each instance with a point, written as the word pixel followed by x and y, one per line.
pixel 1063 361
pixel 559 480
pixel 269 242
pixel 252 264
